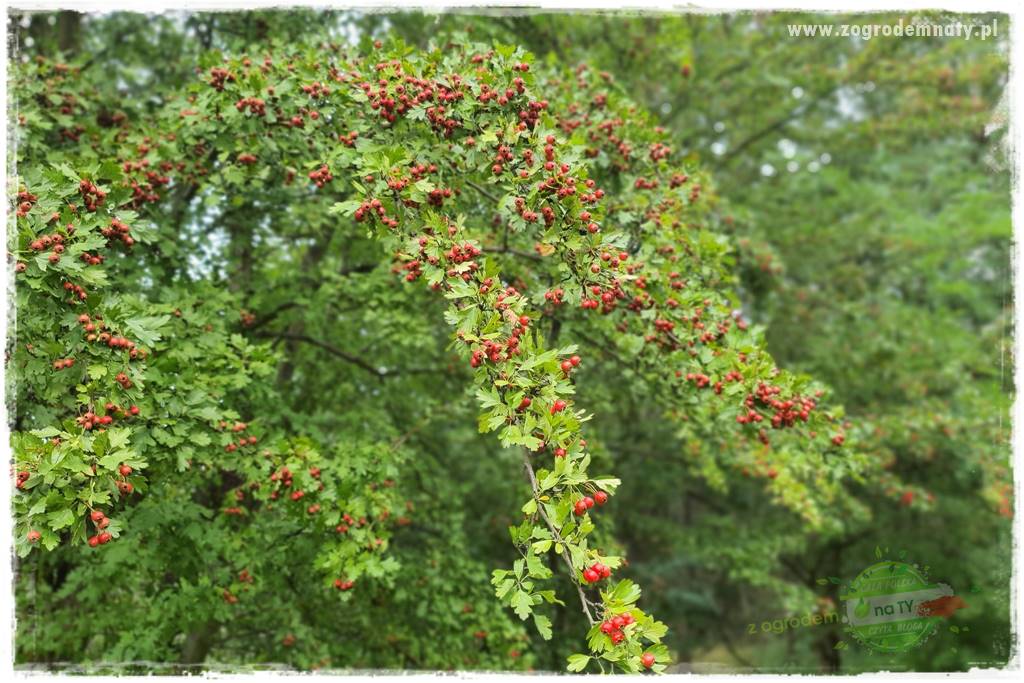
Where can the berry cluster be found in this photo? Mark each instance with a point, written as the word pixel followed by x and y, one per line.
pixel 26 200
pixel 254 104
pixel 92 195
pixel 118 230
pixel 596 572
pixel 54 242
pixel 585 503
pixel 101 521
pixel 321 176
pixel 375 206
pixel 78 292
pixel 613 627
pixel 243 441
pixel 219 76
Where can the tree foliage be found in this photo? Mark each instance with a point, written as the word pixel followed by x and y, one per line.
pixel 270 297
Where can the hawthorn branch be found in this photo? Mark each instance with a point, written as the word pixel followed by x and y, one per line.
pixel 513 252
pixel 333 350
pixel 345 355
pixel 482 190
pixel 584 602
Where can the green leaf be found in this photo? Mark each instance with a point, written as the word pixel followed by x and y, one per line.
pixel 522 604
pixel 543 626
pixel 578 662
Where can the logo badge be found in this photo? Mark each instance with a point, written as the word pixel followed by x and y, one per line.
pixel 893 607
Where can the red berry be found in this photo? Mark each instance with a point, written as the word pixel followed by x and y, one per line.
pixel 104 538
pixel 601 497
pixel 558 406
pixel 607 627
pixel 96 515
pixel 647 660
pixel 125 470
pixel 525 403
pixel 588 501
pixel 94 541
pixel 590 576
pixel 566 367
pixel 134 410
pixel 575 360
pixel 34 536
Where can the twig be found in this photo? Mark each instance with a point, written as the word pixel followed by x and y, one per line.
pixel 351 358
pixel 558 539
pixel 481 190
pixel 513 252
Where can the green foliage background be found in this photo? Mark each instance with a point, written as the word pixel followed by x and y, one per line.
pixel 865 191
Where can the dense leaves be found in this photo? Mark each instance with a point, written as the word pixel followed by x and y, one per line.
pixel 256 308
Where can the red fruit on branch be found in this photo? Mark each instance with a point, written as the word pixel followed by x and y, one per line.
pixel 33 536
pixel 558 406
pixel 601 497
pixel 647 659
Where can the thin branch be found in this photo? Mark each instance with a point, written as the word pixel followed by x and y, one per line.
pixel 558 539
pixel 333 350
pixel 269 317
pixel 513 252
pixel 351 358
pixel 481 190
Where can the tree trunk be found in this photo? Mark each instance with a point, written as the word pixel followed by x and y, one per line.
pixel 198 644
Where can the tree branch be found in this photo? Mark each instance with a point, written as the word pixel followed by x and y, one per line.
pixel 481 190
pixel 558 539
pixel 351 358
